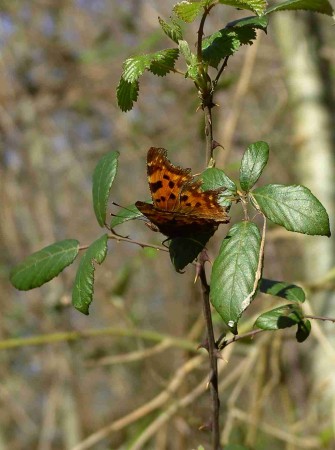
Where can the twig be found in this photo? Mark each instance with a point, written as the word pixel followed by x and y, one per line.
pixel 76 335
pixel 141 244
pixel 252 333
pixel 330 319
pixel 212 353
pixel 131 356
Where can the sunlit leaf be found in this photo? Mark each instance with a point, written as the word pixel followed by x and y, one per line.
pixel 83 288
pixel 103 178
pixel 282 317
pixel 253 162
pixel 293 207
pixel 172 29
pixel 225 42
pixel 189 10
pixel 257 6
pixel 127 94
pixel 282 289
pixel 44 265
pixel 320 6
pixel 164 61
pixel 234 275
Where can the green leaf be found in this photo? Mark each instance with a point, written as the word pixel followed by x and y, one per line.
pixel 44 265
pixel 82 293
pixel 184 250
pixel 303 331
pixel 134 67
pixel 127 94
pixel 191 60
pixel 260 23
pixel 234 274
pixel 164 61
pixel 189 11
pixel 213 178
pixel 320 6
pixel 103 177
pixel 257 6
pixel 226 42
pixel 253 162
pixel 282 317
pixel 125 214
pixel 159 63
pixel 282 289
pixel 172 29
pixel 293 207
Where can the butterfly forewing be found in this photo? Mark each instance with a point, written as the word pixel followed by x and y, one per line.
pixel 165 179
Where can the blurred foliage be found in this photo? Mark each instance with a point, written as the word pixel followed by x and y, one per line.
pixel 61 62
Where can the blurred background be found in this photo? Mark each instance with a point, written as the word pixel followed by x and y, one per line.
pixel 60 65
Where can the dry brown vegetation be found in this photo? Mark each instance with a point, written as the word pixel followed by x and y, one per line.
pixel 60 65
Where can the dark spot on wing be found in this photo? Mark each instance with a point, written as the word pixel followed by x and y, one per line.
pixel 188 204
pixel 155 186
pixel 171 184
pixel 172 196
pixel 184 197
pixel 197 204
pixel 163 198
pixel 166 177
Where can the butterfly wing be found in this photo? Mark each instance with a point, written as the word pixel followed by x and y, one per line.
pixel 179 206
pixel 165 179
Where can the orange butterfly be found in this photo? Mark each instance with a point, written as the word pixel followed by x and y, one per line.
pixel 180 208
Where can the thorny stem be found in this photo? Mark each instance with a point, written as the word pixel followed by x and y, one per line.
pixel 212 352
pixel 207 104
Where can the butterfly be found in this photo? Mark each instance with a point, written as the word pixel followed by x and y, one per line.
pixel 180 208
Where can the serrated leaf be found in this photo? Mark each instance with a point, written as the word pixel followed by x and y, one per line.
pixel 189 11
pixel 303 331
pixel 282 289
pixel 128 213
pixel 185 50
pixel 82 293
pixel 253 162
pixel 103 177
pixel 257 6
pixel 213 178
pixel 184 250
pixel 191 60
pixel 293 207
pixel 159 63
pixel 320 6
pixel 134 67
pixel 282 317
pixel 127 94
pixel 164 61
pixel 234 275
pixel 226 42
pixel 172 29
pixel 44 265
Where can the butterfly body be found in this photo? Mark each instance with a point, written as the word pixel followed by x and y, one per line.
pixel 180 208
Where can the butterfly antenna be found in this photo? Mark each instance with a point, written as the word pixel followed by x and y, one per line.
pixel 123 207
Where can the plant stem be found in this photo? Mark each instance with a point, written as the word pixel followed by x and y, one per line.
pixel 212 352
pixel 206 90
